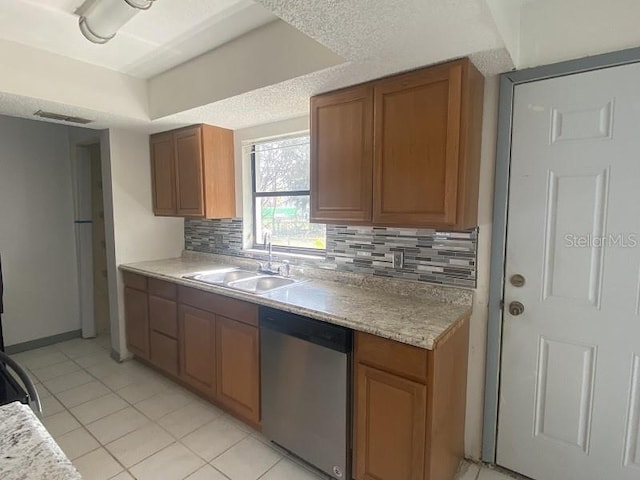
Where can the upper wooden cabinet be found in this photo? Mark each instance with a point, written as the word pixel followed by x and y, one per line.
pixel 192 171
pixel 342 156
pixel 400 151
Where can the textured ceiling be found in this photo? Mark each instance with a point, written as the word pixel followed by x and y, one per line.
pixel 166 35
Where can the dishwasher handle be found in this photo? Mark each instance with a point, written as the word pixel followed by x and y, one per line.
pixel 313 331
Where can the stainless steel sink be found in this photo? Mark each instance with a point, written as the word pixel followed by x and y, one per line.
pixel 262 284
pixel 244 280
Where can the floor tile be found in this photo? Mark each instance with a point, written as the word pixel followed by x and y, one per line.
pixel 103 341
pixel 95 358
pixel 77 348
pixel 140 444
pixel 122 476
pixel 116 425
pixel 53 371
pixel 490 474
pixel 83 393
pixel 207 473
pixel 66 382
pixel 188 418
pixel 163 403
pixel 286 469
pixel 214 438
pixel 100 407
pixel 60 423
pixel 247 460
pixel 468 471
pixel 172 463
pixel 138 392
pixel 50 406
pixel 104 369
pixel 77 443
pixel 97 465
pixel 41 360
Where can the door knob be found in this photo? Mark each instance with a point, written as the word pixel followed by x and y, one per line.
pixel 516 308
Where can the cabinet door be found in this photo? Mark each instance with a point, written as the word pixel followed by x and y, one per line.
pixel 238 361
pixel 417 135
pixel 342 156
pixel 163 174
pixel 188 154
pixel 197 348
pixel 390 416
pixel 163 352
pixel 136 311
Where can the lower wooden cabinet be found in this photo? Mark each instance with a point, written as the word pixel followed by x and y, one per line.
pixel 197 333
pixel 390 426
pixel 136 310
pixel 238 362
pixel 163 352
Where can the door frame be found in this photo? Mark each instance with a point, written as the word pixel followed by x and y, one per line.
pixel 508 82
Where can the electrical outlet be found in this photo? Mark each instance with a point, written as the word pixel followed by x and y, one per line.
pixel 398 259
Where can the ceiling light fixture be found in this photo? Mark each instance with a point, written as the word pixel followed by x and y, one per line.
pixel 100 20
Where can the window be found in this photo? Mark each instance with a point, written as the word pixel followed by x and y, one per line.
pixel 280 170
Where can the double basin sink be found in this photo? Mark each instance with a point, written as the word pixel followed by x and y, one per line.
pixel 243 280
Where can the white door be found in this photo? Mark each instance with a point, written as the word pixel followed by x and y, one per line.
pixel 570 372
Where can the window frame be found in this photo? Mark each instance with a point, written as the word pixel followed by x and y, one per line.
pixel 255 195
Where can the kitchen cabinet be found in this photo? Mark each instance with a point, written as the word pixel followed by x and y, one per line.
pixel 197 348
pixel 409 407
pixel 137 314
pixel 163 325
pixel 342 156
pixel 238 362
pixel 399 151
pixel 193 172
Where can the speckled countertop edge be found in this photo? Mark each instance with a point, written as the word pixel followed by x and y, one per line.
pixel 27 451
pixel 414 320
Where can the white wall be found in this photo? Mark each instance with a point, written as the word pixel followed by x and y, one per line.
pixel 138 235
pixel 266 56
pixel 552 30
pixel 479 317
pixel 37 235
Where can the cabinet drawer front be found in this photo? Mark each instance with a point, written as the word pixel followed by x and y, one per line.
pixel 391 356
pixel 227 307
pixel 134 280
pixel 136 311
pixel 163 316
pixel 160 288
pixel 164 352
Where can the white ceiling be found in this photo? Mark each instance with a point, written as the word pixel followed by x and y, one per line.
pixel 166 35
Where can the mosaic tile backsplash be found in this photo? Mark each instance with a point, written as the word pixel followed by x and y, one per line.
pixel 447 258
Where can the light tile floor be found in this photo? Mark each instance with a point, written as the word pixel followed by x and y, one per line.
pixel 123 420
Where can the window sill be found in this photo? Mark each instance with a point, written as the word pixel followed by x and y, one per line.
pixel 283 255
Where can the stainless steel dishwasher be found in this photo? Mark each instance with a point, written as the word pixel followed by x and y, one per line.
pixel 306 393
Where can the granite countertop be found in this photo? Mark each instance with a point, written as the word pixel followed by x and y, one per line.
pixel 414 320
pixel 27 451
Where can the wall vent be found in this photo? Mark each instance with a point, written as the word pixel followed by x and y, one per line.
pixel 62 118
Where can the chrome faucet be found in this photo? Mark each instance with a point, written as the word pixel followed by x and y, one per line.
pixel 266 240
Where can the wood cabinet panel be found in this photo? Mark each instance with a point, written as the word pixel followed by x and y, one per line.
pixel 238 363
pixel 189 183
pixel 417 130
pixel 390 426
pixel 133 280
pixel 163 174
pixel 342 155
pixel 163 352
pixel 163 316
pixel 227 307
pixel 197 348
pixel 395 357
pixel 160 288
pixel 137 321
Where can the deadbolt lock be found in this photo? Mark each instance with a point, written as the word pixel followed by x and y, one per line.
pixel 516 308
pixel 517 280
